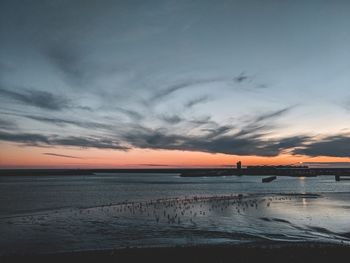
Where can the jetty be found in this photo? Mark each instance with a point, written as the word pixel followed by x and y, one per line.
pixel 265 170
pixel 273 171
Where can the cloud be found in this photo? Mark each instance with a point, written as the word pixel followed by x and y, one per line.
pixel 40 99
pixel 242 77
pixel 228 139
pixel 335 146
pixel 197 101
pixel 62 122
pixel 273 114
pixel 211 137
pixel 24 138
pixel 62 155
pixel 88 142
pixel 130 113
pixel 218 131
pixel 40 140
pixel 163 93
pixel 172 119
pixel 262 123
pixel 7 124
pixel 153 165
pixel 220 140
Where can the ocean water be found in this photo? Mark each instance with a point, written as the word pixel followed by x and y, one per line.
pixel 103 211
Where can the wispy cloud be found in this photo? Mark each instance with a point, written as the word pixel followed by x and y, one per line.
pixel 211 137
pixel 273 114
pixel 165 92
pixel 37 98
pixel 7 124
pixel 242 77
pixel 228 139
pixel 172 119
pixel 336 146
pixel 153 165
pixel 227 144
pixel 40 140
pixel 62 122
pixel 63 155
pixel 253 85
pixel 196 101
pixel 130 113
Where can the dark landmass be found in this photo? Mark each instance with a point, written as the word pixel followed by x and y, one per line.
pixel 296 252
pixel 188 172
pixel 25 172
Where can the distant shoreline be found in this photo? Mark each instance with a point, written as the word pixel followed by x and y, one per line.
pixel 262 252
pixel 186 172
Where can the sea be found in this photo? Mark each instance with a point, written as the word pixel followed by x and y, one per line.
pixel 51 214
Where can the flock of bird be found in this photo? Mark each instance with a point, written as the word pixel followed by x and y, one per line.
pixel 171 210
pixel 177 210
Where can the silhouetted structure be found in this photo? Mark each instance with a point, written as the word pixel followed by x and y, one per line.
pixel 239 165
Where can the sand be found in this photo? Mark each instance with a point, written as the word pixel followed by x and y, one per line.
pixel 301 252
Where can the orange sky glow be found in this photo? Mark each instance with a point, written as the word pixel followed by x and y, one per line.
pixel 15 156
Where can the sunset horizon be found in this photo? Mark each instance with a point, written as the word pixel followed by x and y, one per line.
pixel 126 86
pixel 174 130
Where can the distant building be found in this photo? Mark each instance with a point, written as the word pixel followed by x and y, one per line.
pixel 239 165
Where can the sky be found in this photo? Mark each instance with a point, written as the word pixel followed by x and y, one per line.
pixel 174 83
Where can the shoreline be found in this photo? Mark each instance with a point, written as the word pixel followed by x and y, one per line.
pixel 188 172
pixel 257 252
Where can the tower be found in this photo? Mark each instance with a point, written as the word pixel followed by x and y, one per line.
pixel 239 165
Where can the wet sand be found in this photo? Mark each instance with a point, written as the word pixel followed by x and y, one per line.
pixel 226 220
pixel 202 220
pixel 301 252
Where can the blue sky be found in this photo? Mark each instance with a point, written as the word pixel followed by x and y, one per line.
pixel 232 77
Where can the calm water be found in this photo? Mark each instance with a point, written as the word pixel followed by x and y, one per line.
pixel 60 213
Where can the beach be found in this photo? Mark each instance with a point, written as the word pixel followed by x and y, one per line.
pixel 155 216
pixel 304 252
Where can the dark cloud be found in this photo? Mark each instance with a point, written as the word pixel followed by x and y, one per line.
pixel 229 139
pixel 7 124
pixel 218 131
pixel 24 138
pixel 197 101
pixel 262 123
pixel 206 120
pixel 32 139
pixel 214 138
pixel 62 155
pixel 153 165
pixel 62 122
pixel 219 141
pixel 172 119
pixel 249 139
pixel 36 98
pixel 88 142
pixel 242 77
pixel 335 146
pixel 283 144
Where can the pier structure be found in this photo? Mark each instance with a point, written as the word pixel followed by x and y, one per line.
pixel 294 171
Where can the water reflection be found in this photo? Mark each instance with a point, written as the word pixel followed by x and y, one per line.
pixel 115 211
